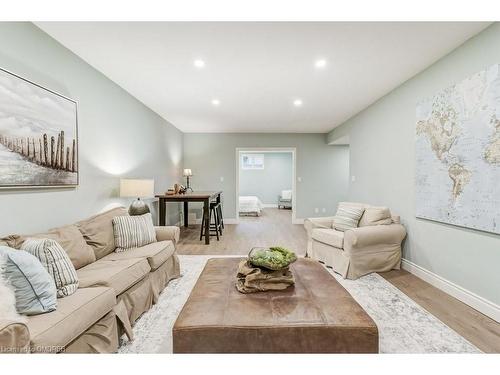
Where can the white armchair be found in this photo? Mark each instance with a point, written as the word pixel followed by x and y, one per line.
pixel 371 247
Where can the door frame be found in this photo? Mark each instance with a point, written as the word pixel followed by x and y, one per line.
pixel 292 150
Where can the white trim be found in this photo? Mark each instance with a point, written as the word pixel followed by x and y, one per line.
pixel 293 150
pixel 479 303
pixel 298 221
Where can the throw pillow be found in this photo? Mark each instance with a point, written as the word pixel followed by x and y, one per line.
pixel 375 216
pixel 7 296
pixel 56 262
pixel 133 231
pixel 347 217
pixel 35 290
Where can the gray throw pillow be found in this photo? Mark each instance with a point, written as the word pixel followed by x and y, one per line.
pixel 133 231
pixel 347 217
pixel 56 262
pixel 34 288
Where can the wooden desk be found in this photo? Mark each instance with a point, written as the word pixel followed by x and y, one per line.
pixel 196 196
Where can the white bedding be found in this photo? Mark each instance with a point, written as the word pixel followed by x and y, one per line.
pixel 250 205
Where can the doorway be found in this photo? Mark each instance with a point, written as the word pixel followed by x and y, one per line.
pixel 263 174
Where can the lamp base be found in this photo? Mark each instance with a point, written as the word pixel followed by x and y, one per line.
pixel 138 207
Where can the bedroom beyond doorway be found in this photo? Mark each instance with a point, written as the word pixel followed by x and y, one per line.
pixel 265 180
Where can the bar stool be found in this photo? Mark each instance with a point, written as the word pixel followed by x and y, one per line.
pixel 216 227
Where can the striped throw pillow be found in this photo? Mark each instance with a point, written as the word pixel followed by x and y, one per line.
pixel 133 231
pixel 347 217
pixel 57 263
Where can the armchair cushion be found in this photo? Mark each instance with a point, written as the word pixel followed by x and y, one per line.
pixel 382 235
pixel 330 237
pixel 347 217
pixel 375 216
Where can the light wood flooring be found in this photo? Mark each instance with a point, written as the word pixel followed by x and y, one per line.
pixel 275 227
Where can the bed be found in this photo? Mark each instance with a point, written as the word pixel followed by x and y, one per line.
pixel 250 206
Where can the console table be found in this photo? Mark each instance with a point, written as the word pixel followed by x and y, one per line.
pixel 196 196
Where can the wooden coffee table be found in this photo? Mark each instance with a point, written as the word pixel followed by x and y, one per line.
pixel 317 315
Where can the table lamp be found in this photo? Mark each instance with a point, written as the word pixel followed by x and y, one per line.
pixel 187 173
pixel 137 189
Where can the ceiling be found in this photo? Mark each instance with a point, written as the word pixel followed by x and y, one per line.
pixel 257 70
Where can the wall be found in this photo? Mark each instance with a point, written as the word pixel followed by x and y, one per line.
pixel 382 159
pixel 323 169
pixel 268 183
pixel 118 136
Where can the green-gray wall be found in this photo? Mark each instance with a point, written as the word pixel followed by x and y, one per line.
pixel 323 169
pixel 118 135
pixel 268 183
pixel 382 159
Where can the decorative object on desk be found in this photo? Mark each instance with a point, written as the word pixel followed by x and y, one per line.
pixel 170 192
pixel 38 135
pixel 188 173
pixel 137 189
pixel 265 269
pixel 177 188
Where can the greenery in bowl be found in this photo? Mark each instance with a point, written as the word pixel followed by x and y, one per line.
pixel 273 258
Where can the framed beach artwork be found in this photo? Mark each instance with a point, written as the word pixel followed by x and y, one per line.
pixel 38 135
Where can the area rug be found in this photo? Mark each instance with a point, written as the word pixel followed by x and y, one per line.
pixel 404 326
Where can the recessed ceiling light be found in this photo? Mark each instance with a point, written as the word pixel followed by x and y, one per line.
pixel 199 63
pixel 216 102
pixel 321 63
pixel 297 103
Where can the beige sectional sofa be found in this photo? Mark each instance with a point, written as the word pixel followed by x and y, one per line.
pixel 374 246
pixel 114 289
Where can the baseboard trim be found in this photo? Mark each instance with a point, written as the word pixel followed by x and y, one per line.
pixel 479 303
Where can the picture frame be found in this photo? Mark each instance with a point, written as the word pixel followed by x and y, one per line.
pixel 38 135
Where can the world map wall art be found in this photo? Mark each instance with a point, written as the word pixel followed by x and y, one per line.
pixel 38 135
pixel 458 154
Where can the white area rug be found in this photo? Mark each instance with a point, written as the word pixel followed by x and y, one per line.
pixel 404 326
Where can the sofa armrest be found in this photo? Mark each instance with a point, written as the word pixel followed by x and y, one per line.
pixel 14 336
pixel 168 233
pixel 362 237
pixel 317 222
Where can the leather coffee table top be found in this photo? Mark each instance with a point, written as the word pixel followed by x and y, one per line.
pixel 217 318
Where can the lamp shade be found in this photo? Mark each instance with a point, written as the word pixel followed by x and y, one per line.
pixel 136 188
pixel 187 172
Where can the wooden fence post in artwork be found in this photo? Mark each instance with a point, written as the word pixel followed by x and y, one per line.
pixel 52 152
pixel 67 166
pixel 58 145
pixel 73 157
pixel 61 159
pixel 45 149
pixel 28 151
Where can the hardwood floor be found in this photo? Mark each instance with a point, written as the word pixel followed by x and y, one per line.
pixel 479 329
pixel 275 227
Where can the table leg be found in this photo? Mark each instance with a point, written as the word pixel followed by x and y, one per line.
pixel 206 217
pixel 163 213
pixel 186 214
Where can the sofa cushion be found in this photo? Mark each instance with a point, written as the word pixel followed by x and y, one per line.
pixel 375 216
pixel 330 237
pixel 70 239
pixel 56 262
pixel 75 314
pixel 98 231
pixel 133 231
pixel 156 253
pixel 34 288
pixel 117 274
